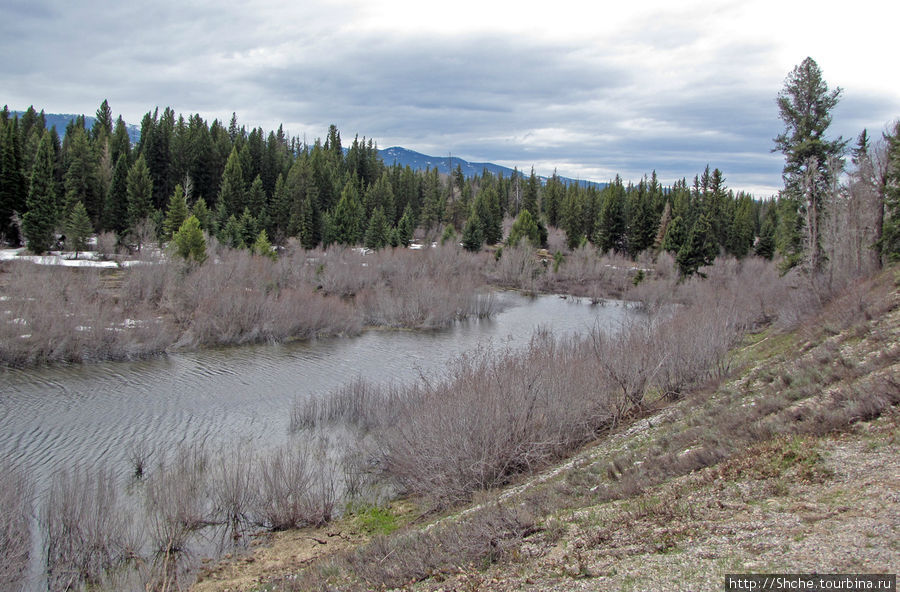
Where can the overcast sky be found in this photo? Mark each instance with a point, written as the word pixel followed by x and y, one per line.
pixel 591 90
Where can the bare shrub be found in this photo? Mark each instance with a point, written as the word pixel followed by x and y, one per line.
pixel 517 267
pixel 233 487
pixel 64 315
pixel 87 532
pixel 285 477
pixel 496 417
pixel 15 526
pixel 106 245
pixel 177 506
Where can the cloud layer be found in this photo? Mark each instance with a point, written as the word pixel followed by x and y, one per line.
pixel 592 94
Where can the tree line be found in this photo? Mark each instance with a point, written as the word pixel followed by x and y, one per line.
pixel 250 188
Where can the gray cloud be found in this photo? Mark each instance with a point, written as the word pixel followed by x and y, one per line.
pixel 582 107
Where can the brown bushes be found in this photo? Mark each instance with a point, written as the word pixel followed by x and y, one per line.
pixel 87 531
pixel 62 315
pixel 15 526
pixel 498 415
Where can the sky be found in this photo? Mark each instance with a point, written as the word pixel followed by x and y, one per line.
pixel 588 89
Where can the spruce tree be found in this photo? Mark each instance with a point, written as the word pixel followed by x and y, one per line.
pixel 115 210
pixel 348 217
pixel 378 233
pixel 140 192
pixel 188 242
pixel 231 192
pixel 524 228
pixel 889 243
pixel 78 229
pixel 700 248
pixel 472 236
pixel 39 222
pixel 13 187
pixel 262 246
pixel 81 177
pixel 204 215
pixel 176 213
pixel 405 227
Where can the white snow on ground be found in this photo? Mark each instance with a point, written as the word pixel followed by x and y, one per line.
pixel 63 259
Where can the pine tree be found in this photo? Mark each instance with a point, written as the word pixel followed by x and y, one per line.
pixel 78 228
pixel 472 235
pixel 609 234
pixel 524 228
pixel 405 227
pixel 103 124
pixel 530 196
pixel 81 177
pixel 204 215
pixel 249 228
pixel 378 233
pixel 13 187
pixel 889 242
pixel 805 104
pixel 765 246
pixel 700 248
pixel 675 235
pixel 231 193
pixel 347 219
pixel 139 191
pixel 39 222
pixel 256 197
pixel 188 242
pixel 262 246
pixel 176 213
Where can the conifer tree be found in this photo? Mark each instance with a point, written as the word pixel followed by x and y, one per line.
pixel 81 177
pixel 231 193
pixel 188 242
pixel 309 227
pixel 805 104
pixel 889 243
pixel 176 213
pixel 262 246
pixel 675 235
pixel 609 234
pixel 765 246
pixel 347 219
pixel 472 235
pixel 700 248
pixel 39 222
pixel 256 197
pixel 405 227
pixel 378 233
pixel 230 233
pixel 204 215
pixel 249 228
pixel 530 196
pixel 78 229
pixel 140 192
pixel 524 228
pixel 13 187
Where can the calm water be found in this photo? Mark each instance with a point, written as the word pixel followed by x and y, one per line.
pixel 51 418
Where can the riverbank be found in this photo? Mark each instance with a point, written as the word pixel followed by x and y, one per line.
pixel 64 315
pixel 788 464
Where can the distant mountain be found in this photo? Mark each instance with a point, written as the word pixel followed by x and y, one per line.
pixel 445 164
pixel 62 120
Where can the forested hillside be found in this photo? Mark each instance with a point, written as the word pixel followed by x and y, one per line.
pixel 239 183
